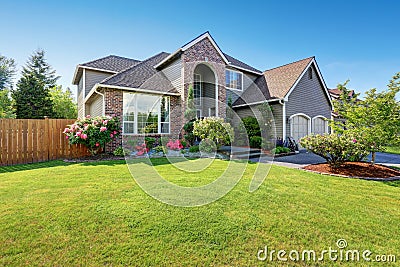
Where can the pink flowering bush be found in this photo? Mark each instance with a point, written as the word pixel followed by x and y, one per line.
pixel 336 149
pixel 174 145
pixel 94 132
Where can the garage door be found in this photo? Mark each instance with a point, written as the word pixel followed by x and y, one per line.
pixel 299 127
pixel 319 125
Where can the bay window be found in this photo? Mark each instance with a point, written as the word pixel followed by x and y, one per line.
pixel 145 114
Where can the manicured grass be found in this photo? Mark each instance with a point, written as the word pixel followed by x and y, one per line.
pixel 393 149
pixel 94 214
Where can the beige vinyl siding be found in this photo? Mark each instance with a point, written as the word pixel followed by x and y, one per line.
pixel 173 72
pixel 95 108
pixel 80 99
pixel 308 97
pixel 93 77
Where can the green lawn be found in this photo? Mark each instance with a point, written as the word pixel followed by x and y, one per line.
pixel 94 214
pixel 393 149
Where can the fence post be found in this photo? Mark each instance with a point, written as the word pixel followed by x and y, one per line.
pixel 46 138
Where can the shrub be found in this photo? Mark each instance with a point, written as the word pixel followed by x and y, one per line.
pixel 94 133
pixel 189 136
pixel 184 143
pixel 149 142
pixel 159 149
pixel 215 129
pixel 207 146
pixel 119 151
pixel 252 127
pixel 255 141
pixel 280 150
pixel 194 149
pixel 335 149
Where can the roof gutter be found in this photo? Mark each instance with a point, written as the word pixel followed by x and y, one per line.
pixel 140 90
pixel 256 103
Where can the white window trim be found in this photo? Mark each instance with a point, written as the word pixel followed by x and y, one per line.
pixel 230 88
pixel 135 127
pixel 300 114
pixel 326 122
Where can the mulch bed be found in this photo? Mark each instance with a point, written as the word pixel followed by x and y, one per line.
pixel 356 169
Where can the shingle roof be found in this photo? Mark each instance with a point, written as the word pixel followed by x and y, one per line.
pixel 274 84
pixel 336 92
pixel 282 78
pixel 256 92
pixel 111 63
pixel 238 63
pixel 143 75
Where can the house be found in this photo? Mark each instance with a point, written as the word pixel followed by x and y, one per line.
pixel 149 96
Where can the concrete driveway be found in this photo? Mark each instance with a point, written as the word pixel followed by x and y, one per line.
pixel 306 158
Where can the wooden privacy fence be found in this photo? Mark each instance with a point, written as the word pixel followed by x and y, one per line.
pixel 31 140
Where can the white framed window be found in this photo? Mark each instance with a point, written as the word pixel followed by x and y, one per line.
pixel 197 89
pixel 234 80
pixel 145 114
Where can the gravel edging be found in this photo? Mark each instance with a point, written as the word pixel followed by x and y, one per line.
pixel 388 179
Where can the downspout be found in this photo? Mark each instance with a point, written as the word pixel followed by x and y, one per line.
pixel 104 100
pixel 84 92
pixel 283 103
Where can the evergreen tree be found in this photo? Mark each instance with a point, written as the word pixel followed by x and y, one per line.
pixel 190 112
pixel 32 97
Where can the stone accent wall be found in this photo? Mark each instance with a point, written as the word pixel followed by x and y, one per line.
pixel 204 52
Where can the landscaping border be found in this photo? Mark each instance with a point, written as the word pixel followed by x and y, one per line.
pixel 389 179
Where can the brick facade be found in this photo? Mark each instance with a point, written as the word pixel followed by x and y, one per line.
pixel 204 52
pixel 113 107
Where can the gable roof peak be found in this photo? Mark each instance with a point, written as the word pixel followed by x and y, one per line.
pixel 308 59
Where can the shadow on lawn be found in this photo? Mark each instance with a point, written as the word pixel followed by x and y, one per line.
pixel 56 163
pixel 33 166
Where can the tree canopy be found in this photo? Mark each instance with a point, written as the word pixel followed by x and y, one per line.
pixel 32 95
pixel 375 119
pixel 64 106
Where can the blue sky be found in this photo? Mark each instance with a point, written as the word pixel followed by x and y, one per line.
pixel 356 40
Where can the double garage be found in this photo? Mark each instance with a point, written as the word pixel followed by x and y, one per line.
pixel 301 125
